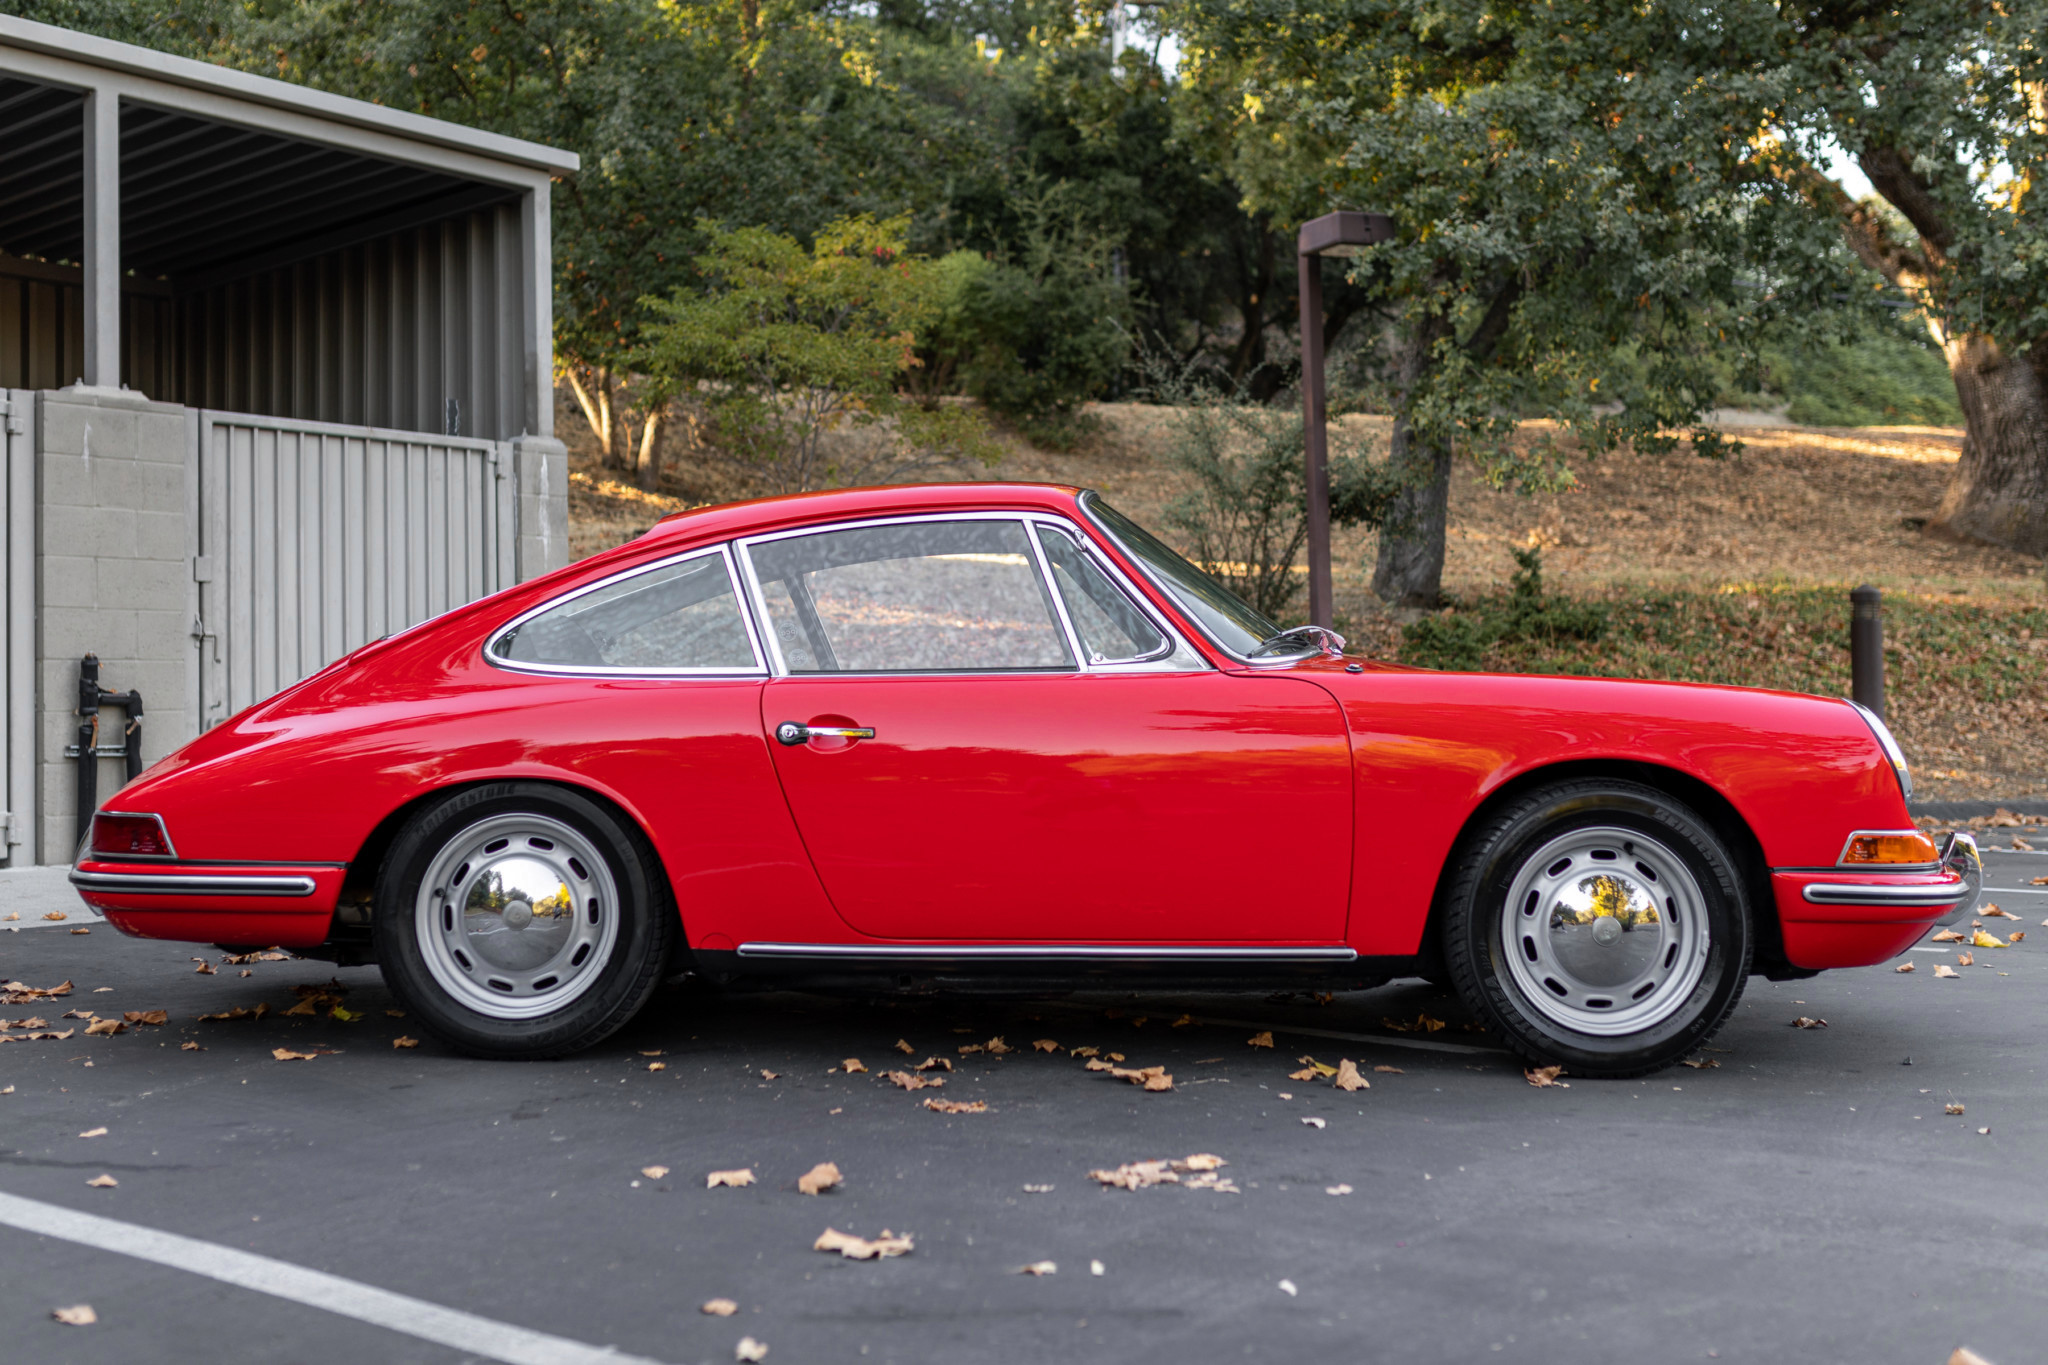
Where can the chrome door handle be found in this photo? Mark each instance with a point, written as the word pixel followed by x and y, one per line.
pixel 792 734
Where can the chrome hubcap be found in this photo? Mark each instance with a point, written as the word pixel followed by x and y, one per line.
pixel 1605 931
pixel 517 915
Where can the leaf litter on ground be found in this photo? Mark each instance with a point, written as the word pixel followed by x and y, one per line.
pixel 957 1106
pixel 1154 1078
pixel 1195 1172
pixel 860 1248
pixel 734 1179
pixel 819 1178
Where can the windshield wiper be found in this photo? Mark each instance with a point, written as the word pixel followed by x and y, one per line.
pixel 1308 638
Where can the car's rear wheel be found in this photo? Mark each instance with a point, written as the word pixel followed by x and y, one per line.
pixel 1598 925
pixel 518 919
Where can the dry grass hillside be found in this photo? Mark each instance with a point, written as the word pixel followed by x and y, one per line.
pixel 1727 570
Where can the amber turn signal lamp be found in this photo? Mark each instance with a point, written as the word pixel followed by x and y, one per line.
pixel 130 836
pixel 1901 846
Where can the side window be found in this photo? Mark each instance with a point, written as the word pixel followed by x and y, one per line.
pixel 919 597
pixel 1111 627
pixel 682 616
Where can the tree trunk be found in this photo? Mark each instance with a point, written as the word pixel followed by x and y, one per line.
pixel 1999 492
pixel 1410 571
pixel 650 450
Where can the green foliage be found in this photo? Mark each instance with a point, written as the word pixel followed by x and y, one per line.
pixel 1474 635
pixel 1243 514
pixel 790 345
pixel 1039 330
pixel 1881 376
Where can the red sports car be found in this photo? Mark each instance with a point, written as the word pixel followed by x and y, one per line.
pixel 947 731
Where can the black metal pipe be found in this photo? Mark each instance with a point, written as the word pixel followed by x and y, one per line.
pixel 91 697
pixel 1866 648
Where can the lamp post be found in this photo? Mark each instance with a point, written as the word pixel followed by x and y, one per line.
pixel 1343 233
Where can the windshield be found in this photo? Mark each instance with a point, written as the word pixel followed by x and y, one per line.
pixel 1227 618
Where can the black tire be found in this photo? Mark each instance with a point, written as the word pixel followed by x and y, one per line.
pixel 1549 1023
pixel 631 956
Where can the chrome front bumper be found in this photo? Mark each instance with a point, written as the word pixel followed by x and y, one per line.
pixel 1959 857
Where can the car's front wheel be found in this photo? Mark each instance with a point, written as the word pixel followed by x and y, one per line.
pixel 1599 925
pixel 518 919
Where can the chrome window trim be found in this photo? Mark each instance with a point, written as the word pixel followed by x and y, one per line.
pixel 161 828
pixel 1141 663
pixel 1842 858
pixel 1281 661
pixel 779 667
pixel 722 550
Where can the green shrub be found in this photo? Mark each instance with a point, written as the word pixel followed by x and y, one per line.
pixel 1461 639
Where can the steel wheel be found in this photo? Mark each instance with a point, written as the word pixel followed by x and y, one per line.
pixel 1606 931
pixel 516 915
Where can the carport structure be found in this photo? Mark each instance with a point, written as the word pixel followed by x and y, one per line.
pixel 276 370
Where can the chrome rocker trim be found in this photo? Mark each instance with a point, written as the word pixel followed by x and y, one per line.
pixel 1061 952
pixel 175 884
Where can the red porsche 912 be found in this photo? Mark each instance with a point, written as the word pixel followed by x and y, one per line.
pixel 941 732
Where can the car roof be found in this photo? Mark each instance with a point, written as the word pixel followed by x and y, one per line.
pixel 757 515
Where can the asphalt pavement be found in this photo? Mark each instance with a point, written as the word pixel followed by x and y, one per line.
pixel 1805 1196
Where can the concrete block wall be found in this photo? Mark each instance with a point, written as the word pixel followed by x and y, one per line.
pixel 114 537
pixel 541 466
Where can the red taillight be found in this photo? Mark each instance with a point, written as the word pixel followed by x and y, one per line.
pixel 130 836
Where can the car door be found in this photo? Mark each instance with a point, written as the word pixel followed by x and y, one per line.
pixel 972 754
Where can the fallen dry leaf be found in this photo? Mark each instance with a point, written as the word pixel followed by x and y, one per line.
pixel 2017 843
pixel 285 1054
pixel 56 915
pixel 1952 1109
pixel 749 1349
pixel 903 1047
pixel 20 993
pixel 1097 1052
pixel 860 1248
pixel 81 931
pixel 1260 1039
pixel 957 1106
pixel 402 1041
pixel 102 1028
pixel 32 1021
pixel 77 1315
pixel 911 1081
pixel 657 1066
pixel 268 955
pixel 771 1075
pixel 1033 1189
pixel 1993 912
pixel 851 1065
pixel 1947 936
pixel 1307 1073
pixel 1391 1070
pixel 103 1182
pixel 1038 1268
pixel 820 1177
pixel 1184 1021
pixel 238 1012
pixel 1151 1077
pixel 146 1016
pixel 1542 1076
pixel 654 1172
pixel 735 1179
pixel 1320 1068
pixel 2020 935
pixel 1903 967
pixel 1942 969
pixel 1348 1077
pixel 1336 1189
pixel 997 1046
pixel 1701 1063
pixel 1196 1172
pixel 1313 1122
pixel 204 968
pixel 719 1308
pixel 1966 959
pixel 1980 939
pixel 935 1064
pixel 1045 1045
pixel 967 1049
pixel 1805 1021
pixel 189 1047
pixel 344 1014
pixel 394 1014
pixel 94 1132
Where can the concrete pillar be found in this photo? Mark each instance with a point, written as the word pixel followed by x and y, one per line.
pixel 113 530
pixel 102 240
pixel 541 467
pixel 537 274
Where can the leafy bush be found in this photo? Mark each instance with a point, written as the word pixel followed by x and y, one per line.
pixel 1883 375
pixel 789 346
pixel 1462 638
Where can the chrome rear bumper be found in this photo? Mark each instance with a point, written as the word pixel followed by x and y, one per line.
pixel 1959 858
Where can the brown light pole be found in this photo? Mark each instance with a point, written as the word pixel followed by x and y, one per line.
pixel 1343 233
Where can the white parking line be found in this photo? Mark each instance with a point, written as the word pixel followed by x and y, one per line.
pixel 449 1327
pixel 2016 890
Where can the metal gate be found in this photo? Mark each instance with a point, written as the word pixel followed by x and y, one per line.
pixel 316 538
pixel 17 629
